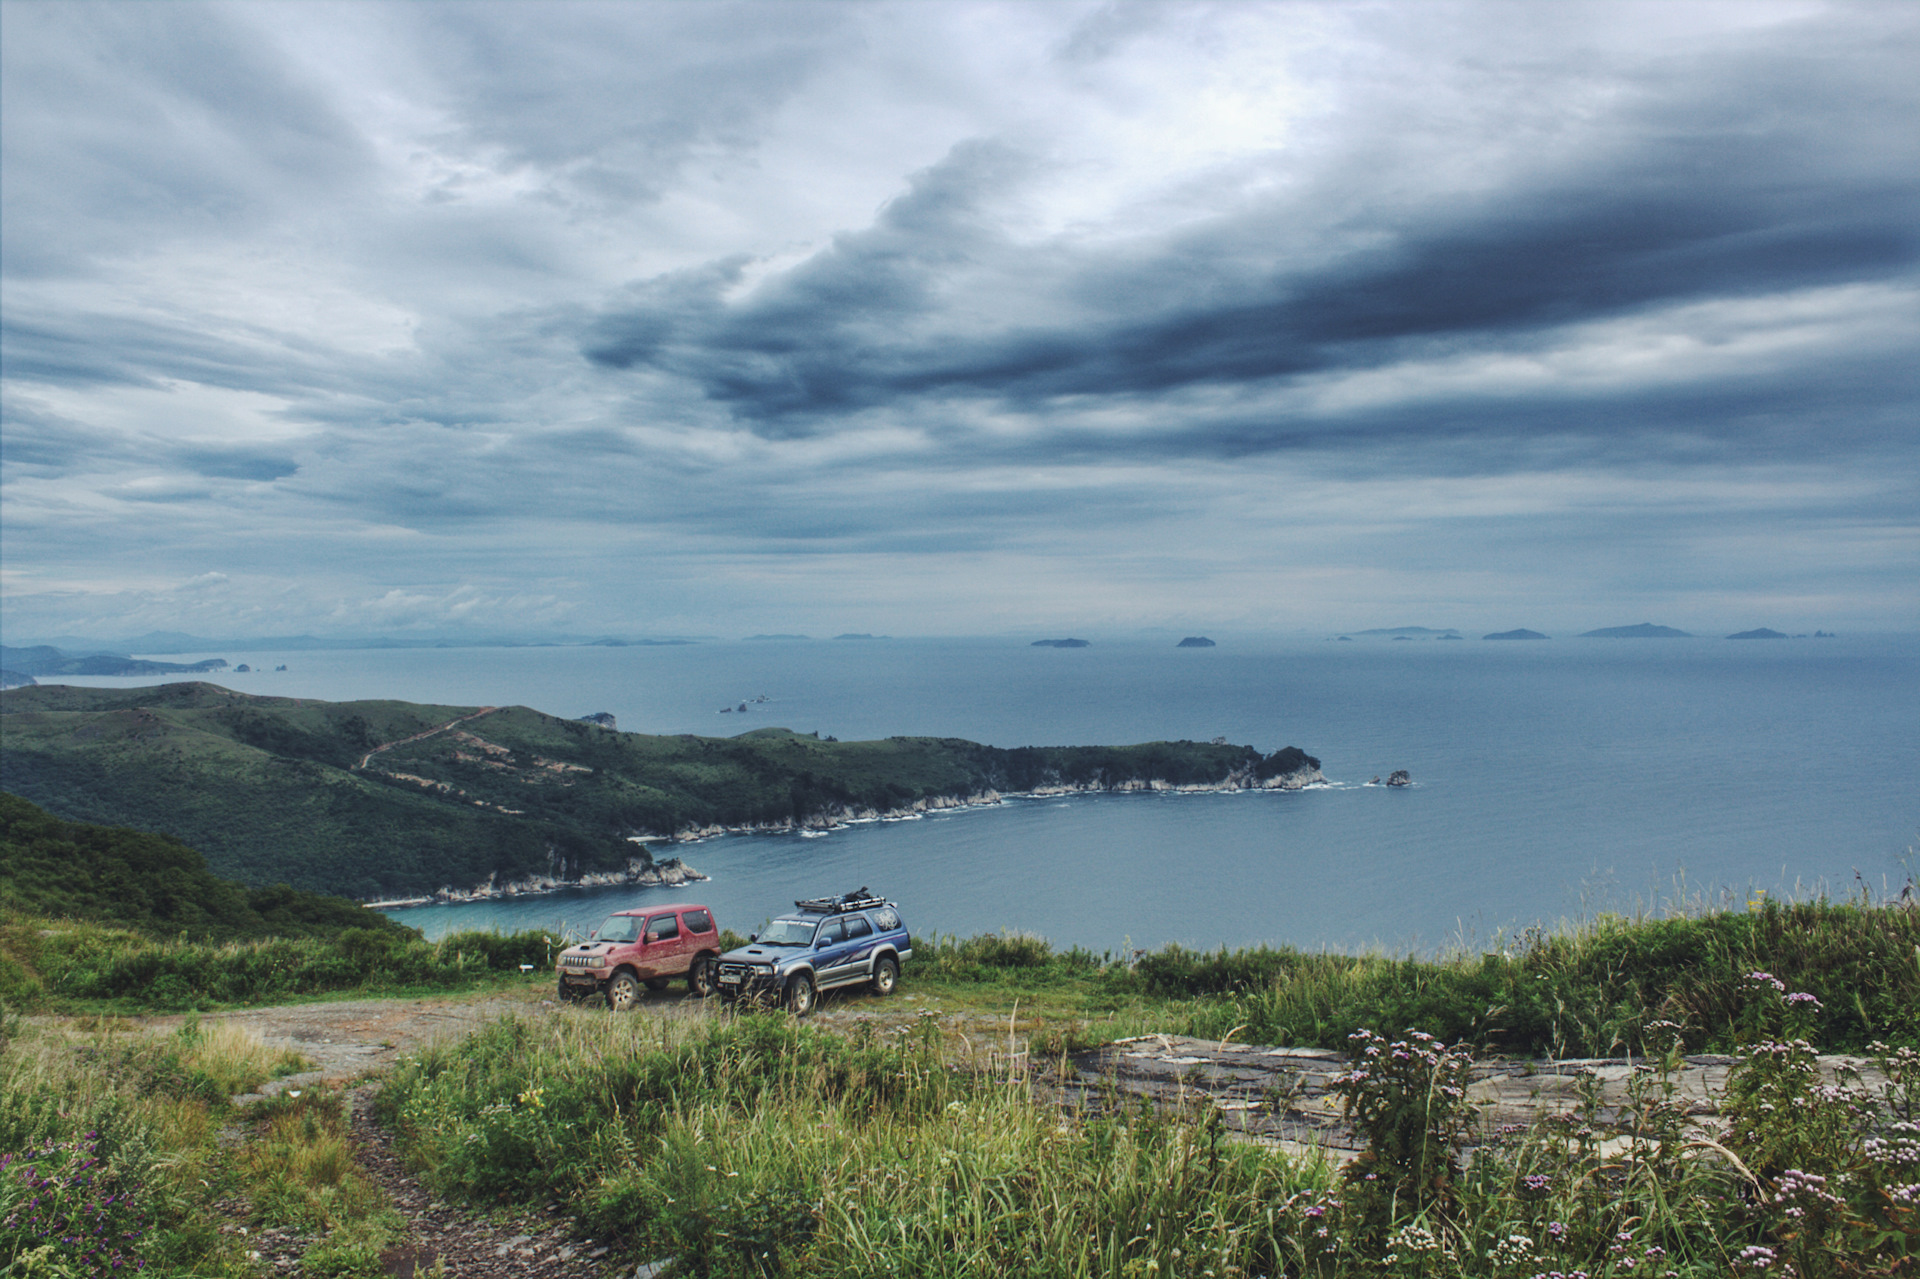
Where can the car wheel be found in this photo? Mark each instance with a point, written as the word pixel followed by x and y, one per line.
pixel 566 992
pixel 700 977
pixel 623 992
pixel 800 995
pixel 886 975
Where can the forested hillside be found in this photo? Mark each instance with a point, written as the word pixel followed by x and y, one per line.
pixel 379 797
pixel 151 883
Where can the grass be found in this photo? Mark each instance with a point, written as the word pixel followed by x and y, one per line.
pixel 66 965
pixel 757 1146
pixel 885 1143
pixel 300 1173
pixel 1609 987
pixel 108 1137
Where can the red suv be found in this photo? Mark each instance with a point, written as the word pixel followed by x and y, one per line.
pixel 635 946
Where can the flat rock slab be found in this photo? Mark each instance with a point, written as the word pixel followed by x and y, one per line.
pixel 1285 1096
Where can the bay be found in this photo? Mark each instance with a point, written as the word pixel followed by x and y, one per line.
pixel 1552 779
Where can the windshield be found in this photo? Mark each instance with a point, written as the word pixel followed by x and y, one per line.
pixel 788 932
pixel 619 928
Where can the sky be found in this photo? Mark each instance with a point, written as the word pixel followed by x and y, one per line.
pixel 637 319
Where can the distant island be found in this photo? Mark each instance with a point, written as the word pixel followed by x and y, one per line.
pixel 1195 641
pixel 180 642
pixel 1059 643
pixel 44 659
pixel 383 800
pixel 1645 630
pixel 1522 633
pixel 1409 632
pixel 1759 633
pixel 639 643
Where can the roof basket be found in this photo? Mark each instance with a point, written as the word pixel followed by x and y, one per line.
pixel 859 899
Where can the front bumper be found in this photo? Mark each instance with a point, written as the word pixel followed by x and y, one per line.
pixel 747 981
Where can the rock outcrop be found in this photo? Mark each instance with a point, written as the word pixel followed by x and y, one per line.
pixel 1399 777
pixel 641 872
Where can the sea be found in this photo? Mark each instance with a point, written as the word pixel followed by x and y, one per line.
pixel 1552 780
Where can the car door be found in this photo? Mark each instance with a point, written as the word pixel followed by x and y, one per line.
pixel 829 953
pixel 665 945
pixel 859 949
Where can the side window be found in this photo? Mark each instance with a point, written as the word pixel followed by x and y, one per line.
pixel 830 932
pixel 886 919
pixel 663 927
pixel 857 926
pixel 698 921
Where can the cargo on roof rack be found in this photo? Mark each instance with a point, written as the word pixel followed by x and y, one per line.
pixel 859 899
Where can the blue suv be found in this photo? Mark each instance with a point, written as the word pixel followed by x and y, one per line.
pixel 855 939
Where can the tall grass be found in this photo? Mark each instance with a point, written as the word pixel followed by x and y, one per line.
pixel 1602 989
pixel 755 1146
pixel 108 1146
pixel 1605 987
pixel 63 964
pixel 759 1147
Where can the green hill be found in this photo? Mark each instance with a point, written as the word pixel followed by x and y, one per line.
pixel 387 798
pixel 151 883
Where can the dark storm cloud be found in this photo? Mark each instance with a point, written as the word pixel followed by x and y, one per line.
pixel 1770 176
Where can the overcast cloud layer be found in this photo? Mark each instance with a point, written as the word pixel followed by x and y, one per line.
pixel 937 318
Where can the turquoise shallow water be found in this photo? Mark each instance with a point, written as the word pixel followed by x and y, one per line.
pixel 1551 779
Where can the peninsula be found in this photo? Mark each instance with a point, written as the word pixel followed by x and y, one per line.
pixel 44 659
pixel 389 800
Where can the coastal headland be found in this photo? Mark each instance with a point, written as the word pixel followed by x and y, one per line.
pixel 388 800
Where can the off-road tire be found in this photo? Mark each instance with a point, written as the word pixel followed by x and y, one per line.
pixel 886 975
pixel 800 994
pixel 702 975
pixel 623 992
pixel 566 993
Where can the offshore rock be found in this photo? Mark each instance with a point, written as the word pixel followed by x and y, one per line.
pixel 1399 777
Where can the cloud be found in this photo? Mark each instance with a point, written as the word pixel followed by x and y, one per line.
pixel 938 299
pixel 433 314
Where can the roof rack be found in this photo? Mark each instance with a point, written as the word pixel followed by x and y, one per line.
pixel 859 899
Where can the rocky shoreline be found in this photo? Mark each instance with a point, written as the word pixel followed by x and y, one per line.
pixel 641 872
pixel 644 872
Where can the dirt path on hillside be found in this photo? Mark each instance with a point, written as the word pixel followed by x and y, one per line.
pixel 422 736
